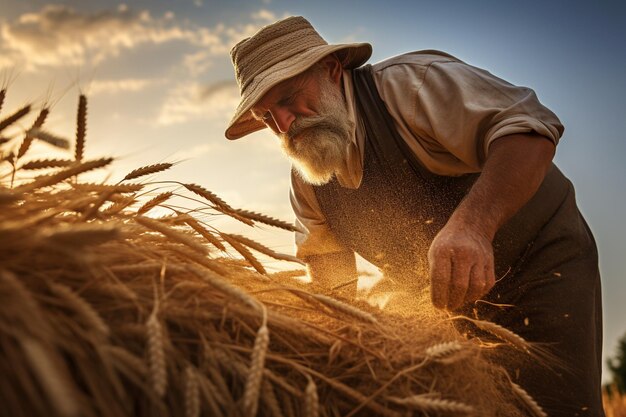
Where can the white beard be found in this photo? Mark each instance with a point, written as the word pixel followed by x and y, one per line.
pixel 321 146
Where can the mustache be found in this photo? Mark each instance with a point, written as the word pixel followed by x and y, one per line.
pixel 303 124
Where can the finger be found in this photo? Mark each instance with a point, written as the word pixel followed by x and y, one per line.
pixel 490 277
pixel 460 276
pixel 476 285
pixel 439 280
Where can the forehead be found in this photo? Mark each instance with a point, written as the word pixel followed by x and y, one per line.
pixel 279 91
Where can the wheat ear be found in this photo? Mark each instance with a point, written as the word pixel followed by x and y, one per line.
pixel 50 138
pixel 345 308
pixel 192 393
pixel 204 233
pixel 175 235
pixel 257 365
pixel 269 398
pixel 209 196
pixel 428 404
pixel 81 127
pixel 443 350
pixel 501 333
pixel 528 400
pixel 47 163
pixel 156 354
pixel 28 139
pixel 9 120
pixel 224 286
pixel 115 188
pixel 55 383
pixel 248 256
pixel 161 198
pixel 265 250
pixel 3 94
pixel 270 221
pixel 311 400
pixel 82 307
pixel 49 180
pixel 147 170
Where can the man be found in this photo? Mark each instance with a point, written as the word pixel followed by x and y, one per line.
pixel 429 167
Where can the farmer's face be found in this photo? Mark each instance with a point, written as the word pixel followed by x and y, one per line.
pixel 309 115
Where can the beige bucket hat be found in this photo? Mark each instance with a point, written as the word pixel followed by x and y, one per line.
pixel 276 53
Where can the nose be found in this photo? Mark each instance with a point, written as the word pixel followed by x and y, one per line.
pixel 283 118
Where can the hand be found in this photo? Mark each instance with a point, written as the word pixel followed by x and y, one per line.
pixel 461 266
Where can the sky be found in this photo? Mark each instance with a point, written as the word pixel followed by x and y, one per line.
pixel 160 87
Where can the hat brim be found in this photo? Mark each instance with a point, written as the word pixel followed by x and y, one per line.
pixel 242 123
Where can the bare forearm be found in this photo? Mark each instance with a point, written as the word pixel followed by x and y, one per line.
pixel 461 255
pixel 514 170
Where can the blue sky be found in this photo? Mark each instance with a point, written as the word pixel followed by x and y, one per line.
pixel 160 87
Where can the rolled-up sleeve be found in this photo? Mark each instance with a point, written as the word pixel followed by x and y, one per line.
pixel 450 112
pixel 316 237
pixel 467 108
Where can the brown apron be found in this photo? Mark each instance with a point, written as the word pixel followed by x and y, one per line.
pixel 545 253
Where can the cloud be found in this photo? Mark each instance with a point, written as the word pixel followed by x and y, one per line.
pixel 121 85
pixel 191 101
pixel 59 35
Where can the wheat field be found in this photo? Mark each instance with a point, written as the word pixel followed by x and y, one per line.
pixel 109 310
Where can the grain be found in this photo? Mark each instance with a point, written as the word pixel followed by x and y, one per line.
pixel 192 393
pixel 83 308
pixel 427 403
pixel 156 354
pixel 311 400
pixel 255 376
pixel 346 309
pixel 81 128
pixel 9 120
pixel 161 198
pixel 528 400
pixel 147 170
pixel 47 163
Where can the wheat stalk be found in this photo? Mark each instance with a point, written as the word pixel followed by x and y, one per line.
pixel 9 120
pixel 147 170
pixel 156 354
pixel 429 404
pixel 192 393
pixel 81 127
pixel 82 307
pixel 311 400
pixel 154 202
pixel 257 365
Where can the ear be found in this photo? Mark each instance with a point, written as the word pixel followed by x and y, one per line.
pixel 335 69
